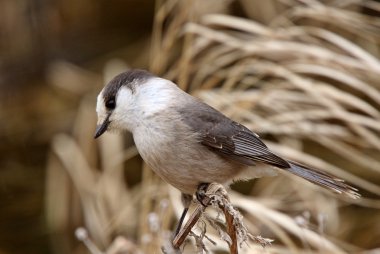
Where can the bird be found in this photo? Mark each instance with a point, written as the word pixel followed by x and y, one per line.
pixel 188 143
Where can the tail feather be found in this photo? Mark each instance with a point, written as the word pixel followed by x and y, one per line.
pixel 323 179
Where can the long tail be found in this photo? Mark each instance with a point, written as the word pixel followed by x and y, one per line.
pixel 323 179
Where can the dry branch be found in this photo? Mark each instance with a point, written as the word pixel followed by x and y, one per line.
pixel 217 197
pixel 214 192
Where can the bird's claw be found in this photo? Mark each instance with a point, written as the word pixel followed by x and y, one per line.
pixel 201 194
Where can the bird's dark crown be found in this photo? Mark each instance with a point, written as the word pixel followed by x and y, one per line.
pixel 129 79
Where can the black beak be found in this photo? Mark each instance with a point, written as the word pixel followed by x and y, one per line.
pixel 101 128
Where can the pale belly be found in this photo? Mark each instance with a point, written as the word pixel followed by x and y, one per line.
pixel 184 163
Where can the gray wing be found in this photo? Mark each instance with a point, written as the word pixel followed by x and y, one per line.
pixel 227 137
pixel 235 141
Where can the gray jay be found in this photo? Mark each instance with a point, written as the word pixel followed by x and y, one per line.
pixel 187 142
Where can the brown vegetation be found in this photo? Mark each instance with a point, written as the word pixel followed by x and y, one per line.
pixel 305 75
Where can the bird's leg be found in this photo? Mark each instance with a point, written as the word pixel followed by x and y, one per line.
pixel 201 193
pixel 186 201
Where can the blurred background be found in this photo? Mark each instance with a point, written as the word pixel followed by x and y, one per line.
pixel 304 74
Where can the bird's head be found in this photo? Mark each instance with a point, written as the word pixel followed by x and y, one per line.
pixel 129 98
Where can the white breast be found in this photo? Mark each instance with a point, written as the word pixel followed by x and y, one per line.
pixel 173 150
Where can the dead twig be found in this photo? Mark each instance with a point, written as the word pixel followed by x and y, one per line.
pixel 214 195
pixel 231 229
pixel 180 238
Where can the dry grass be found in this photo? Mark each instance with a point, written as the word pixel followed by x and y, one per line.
pixel 306 78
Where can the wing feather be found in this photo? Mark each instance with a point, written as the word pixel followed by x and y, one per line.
pixel 227 137
pixel 236 142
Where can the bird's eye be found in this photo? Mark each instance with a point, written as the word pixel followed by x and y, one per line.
pixel 111 103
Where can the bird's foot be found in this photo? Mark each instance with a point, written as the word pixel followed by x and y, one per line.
pixel 201 194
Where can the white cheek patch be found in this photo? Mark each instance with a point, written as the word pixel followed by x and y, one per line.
pixel 123 113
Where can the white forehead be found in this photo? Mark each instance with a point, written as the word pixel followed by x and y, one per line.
pixel 100 103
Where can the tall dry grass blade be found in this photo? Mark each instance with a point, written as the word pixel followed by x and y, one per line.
pixel 84 180
pixel 345 78
pixel 260 211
